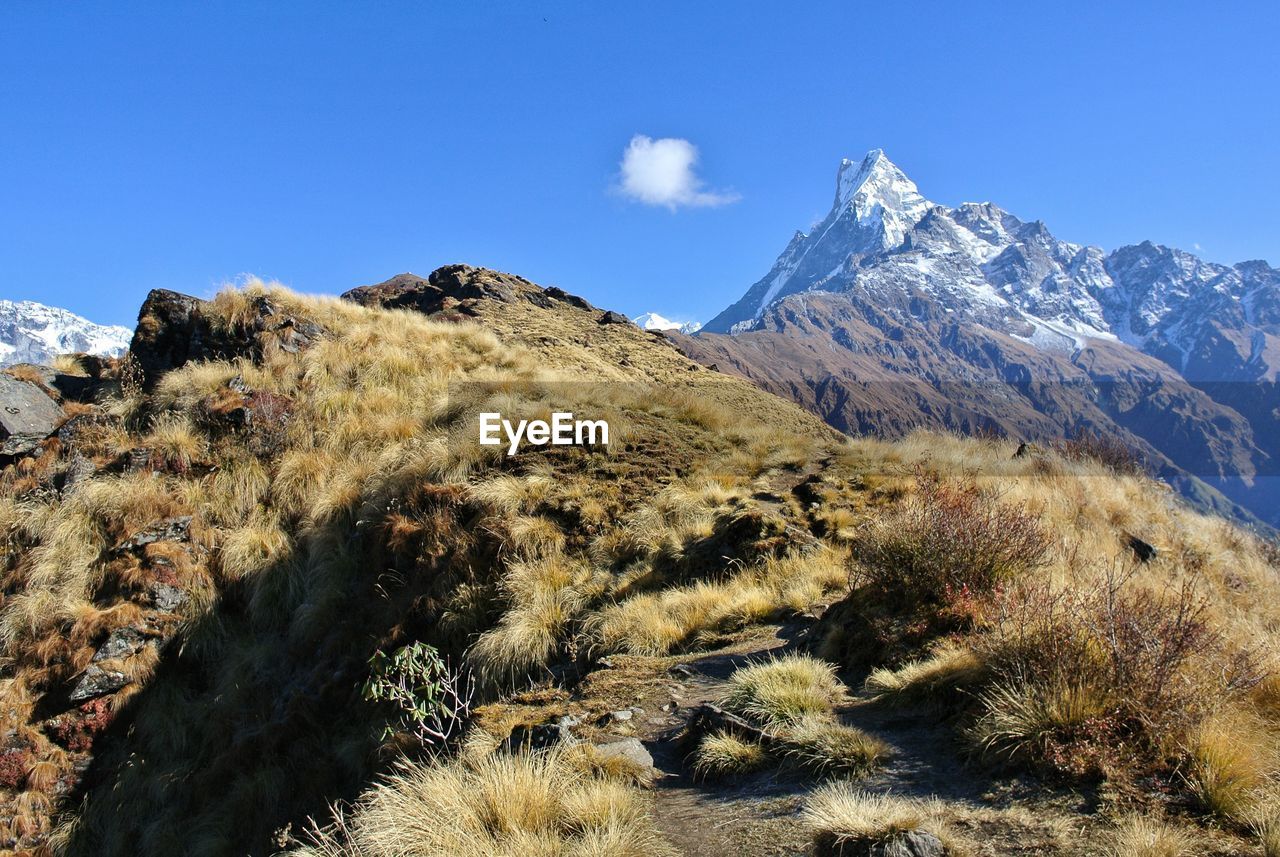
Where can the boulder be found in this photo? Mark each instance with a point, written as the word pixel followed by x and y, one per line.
pixel 174 328
pixel 541 736
pixel 627 748
pixel 1143 550
pixel 167 598
pixel 120 644
pixel 558 294
pixel 912 843
pixel 27 416
pixel 175 529
pixel 95 682
pixel 611 317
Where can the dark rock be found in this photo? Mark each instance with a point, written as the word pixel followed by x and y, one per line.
pixel 78 470
pixel 708 718
pixel 175 328
pixel 95 682
pixel 447 290
pixel 138 458
pixel 121 643
pixel 611 317
pixel 71 432
pixel 684 671
pixel 541 736
pixel 176 529
pixel 166 597
pixel 172 329
pixel 1023 450
pixel 1144 551
pixel 27 416
pixel 559 294
pixel 912 843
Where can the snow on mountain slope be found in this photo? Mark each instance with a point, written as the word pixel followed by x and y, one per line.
pixel 1012 328
pixel 653 321
pixel 34 333
pixel 989 267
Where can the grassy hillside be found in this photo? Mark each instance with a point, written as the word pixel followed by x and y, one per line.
pixel 192 625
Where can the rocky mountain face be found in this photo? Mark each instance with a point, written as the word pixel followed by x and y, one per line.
pixel 895 313
pixel 34 333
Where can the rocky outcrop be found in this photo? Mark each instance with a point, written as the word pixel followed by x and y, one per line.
pixel 174 329
pixel 457 289
pixel 27 416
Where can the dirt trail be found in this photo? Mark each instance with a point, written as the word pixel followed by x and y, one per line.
pixel 759 814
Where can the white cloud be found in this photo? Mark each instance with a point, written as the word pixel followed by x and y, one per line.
pixel 660 172
pixel 1196 246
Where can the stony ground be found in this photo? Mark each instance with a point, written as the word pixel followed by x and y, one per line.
pixel 989 811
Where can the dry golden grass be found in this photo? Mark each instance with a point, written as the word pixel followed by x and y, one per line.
pixel 663 622
pixel 1139 836
pixel 722 754
pixel 1233 759
pixel 785 690
pixel 841 819
pixel 500 804
pixel 372 510
pixel 932 680
pixel 819 744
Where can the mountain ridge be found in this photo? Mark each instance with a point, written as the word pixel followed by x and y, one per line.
pixel 973 298
pixel 32 332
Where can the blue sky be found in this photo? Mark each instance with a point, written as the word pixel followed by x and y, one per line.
pixel 332 145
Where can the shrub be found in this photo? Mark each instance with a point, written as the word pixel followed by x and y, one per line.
pixel 784 690
pixel 1138 836
pixel 1107 451
pixel 425 698
pixel 947 541
pixel 1074 672
pixel 724 754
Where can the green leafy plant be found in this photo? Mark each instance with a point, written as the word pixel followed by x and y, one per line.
pixel 428 700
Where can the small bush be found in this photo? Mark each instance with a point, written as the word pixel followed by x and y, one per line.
pixel 947 541
pixel 784 690
pixel 1138 836
pixel 823 746
pixel 722 754
pixel 1107 451
pixel 1074 673
pixel 844 820
pixel 425 698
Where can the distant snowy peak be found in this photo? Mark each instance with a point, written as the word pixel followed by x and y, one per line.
pixel 879 196
pixel 653 321
pixel 883 242
pixel 34 333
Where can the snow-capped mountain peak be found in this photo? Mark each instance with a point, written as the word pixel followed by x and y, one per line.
pixel 653 321
pixel 31 332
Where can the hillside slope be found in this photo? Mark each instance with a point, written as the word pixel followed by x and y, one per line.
pixel 218 575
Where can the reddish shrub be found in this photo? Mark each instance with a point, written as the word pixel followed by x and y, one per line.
pixel 13 767
pixel 77 730
pixel 949 542
pixel 1107 451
